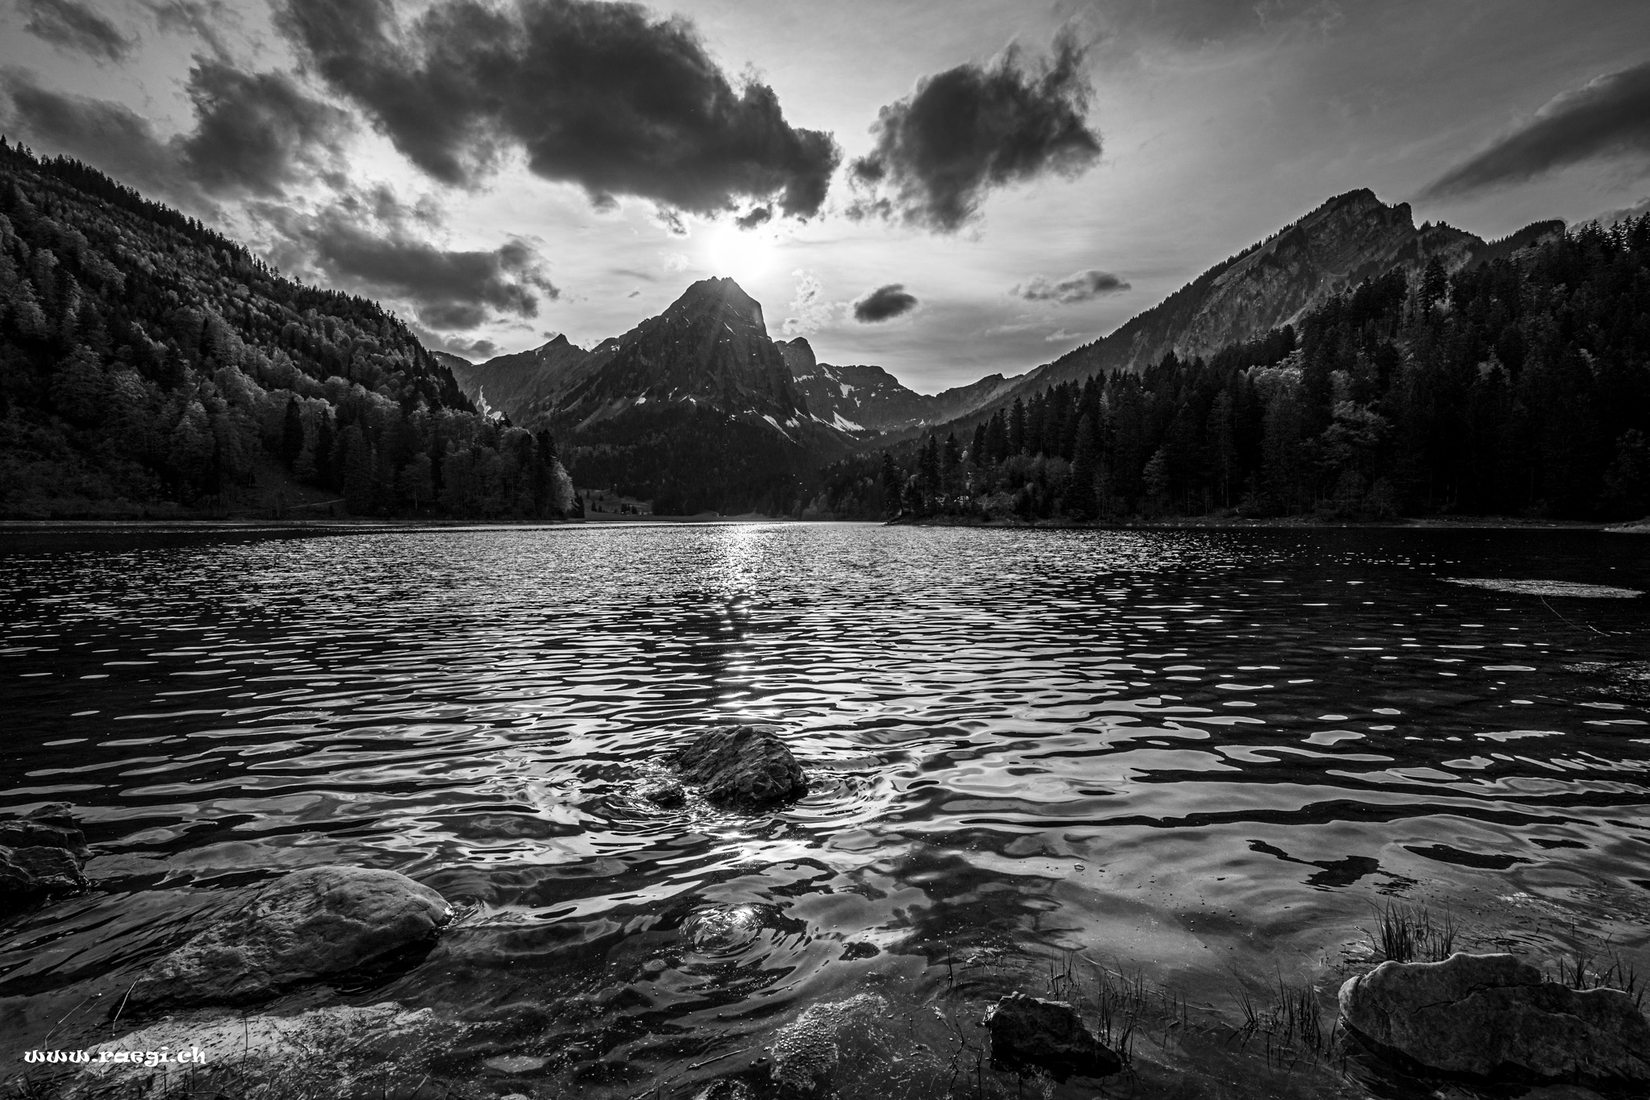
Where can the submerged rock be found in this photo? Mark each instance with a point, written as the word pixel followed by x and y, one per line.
pixel 663 792
pixel 1032 1033
pixel 742 767
pixel 803 1056
pixel 1495 1016
pixel 307 924
pixel 322 1052
pixel 41 853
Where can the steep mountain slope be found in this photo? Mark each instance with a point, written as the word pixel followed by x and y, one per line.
pixel 710 347
pixel 694 408
pixel 512 384
pixel 869 399
pixel 151 364
pixel 1349 238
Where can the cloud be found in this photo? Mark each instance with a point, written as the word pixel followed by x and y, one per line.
pixel 476 350
pixel 448 289
pixel 972 129
pixel 809 310
pixel 203 19
pixel 595 94
pixel 75 26
pixel 1197 23
pixel 109 135
pixel 1608 116
pixel 1611 217
pixel 670 221
pixel 884 303
pixel 756 217
pixel 256 132
pixel 1081 287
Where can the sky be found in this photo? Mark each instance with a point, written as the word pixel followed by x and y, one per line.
pixel 946 189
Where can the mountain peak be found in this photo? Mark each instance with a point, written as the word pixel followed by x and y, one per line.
pixel 723 295
pixel 799 355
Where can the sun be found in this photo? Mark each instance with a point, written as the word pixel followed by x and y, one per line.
pixel 745 254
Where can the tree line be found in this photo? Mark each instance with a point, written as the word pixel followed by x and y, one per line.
pixel 150 365
pixel 1517 386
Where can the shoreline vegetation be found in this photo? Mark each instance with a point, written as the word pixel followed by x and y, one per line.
pixel 1212 522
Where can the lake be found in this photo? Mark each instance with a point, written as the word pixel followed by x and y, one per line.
pixel 1190 763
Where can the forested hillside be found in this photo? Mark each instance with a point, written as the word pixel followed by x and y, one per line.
pixel 1518 386
pixel 149 365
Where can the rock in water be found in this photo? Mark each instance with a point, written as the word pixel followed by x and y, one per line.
pixel 1031 1033
pixel 1493 1015
pixel 307 924
pixel 41 853
pixel 743 767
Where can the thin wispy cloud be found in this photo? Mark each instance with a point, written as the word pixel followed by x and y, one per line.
pixel 1082 286
pixel 75 26
pixel 1609 116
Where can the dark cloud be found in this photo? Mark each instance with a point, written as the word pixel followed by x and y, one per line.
pixel 1080 287
pixel 755 218
pixel 107 135
pixel 596 94
pixel 884 303
pixel 474 350
pixel 671 221
pixel 447 289
pixel 1610 115
pixel 971 129
pixel 75 26
pixel 256 132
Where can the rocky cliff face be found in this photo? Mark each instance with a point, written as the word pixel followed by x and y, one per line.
pixel 864 398
pixel 694 409
pixel 1346 240
pixel 709 349
pixel 510 384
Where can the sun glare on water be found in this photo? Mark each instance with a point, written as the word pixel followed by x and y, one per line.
pixel 744 254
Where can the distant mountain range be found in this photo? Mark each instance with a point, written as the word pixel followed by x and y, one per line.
pixel 710 349
pixel 203 379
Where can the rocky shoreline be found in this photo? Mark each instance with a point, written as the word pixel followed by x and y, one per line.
pixel 194 1021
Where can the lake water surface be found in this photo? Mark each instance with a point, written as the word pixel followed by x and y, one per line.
pixel 1201 760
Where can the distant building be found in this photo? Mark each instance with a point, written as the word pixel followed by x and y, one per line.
pixel 606 502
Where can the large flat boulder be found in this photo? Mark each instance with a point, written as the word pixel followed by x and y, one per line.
pixel 1495 1016
pixel 741 767
pixel 306 924
pixel 1030 1033
pixel 41 853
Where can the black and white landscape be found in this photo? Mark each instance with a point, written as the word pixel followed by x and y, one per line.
pixel 565 548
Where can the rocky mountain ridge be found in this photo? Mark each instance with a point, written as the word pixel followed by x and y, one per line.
pixel 862 398
pixel 1347 239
